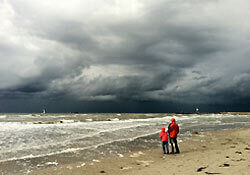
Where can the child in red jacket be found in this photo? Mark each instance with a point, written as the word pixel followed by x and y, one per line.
pixel 164 139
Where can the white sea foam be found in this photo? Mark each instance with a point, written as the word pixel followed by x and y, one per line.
pixel 52 163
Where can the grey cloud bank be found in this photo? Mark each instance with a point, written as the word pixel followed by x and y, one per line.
pixel 124 56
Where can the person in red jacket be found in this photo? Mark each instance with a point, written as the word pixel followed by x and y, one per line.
pixel 164 139
pixel 173 130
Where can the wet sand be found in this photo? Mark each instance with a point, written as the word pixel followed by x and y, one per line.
pixel 217 152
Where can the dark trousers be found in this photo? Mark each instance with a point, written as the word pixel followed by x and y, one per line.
pixel 165 144
pixel 174 140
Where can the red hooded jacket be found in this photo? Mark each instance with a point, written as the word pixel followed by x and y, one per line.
pixel 173 129
pixel 164 135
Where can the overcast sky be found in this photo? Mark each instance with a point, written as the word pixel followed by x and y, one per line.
pixel 124 55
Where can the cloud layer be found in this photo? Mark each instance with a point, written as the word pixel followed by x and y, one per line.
pixel 184 52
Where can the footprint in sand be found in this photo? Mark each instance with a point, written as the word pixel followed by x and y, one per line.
pixel 225 165
pixel 224 143
pixel 201 168
pixel 125 168
pixel 79 166
pixel 137 154
pixel 229 140
pixel 238 152
pixel 94 160
pixel 144 163
pixel 69 167
pixel 238 160
pixel 120 155
pixel 211 173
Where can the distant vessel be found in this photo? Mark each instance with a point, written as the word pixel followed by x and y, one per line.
pixel 197 110
pixel 44 111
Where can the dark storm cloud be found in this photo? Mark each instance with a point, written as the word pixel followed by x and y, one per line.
pixel 171 51
pixel 130 87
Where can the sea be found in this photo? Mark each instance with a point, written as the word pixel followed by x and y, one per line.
pixel 33 141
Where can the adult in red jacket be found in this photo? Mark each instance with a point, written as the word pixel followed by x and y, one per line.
pixel 173 130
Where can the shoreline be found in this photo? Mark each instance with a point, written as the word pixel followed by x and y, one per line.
pixel 224 152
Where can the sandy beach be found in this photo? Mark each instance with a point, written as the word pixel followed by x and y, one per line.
pixel 216 152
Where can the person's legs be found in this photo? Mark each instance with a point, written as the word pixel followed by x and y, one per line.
pixel 172 145
pixel 167 148
pixel 163 148
pixel 176 145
